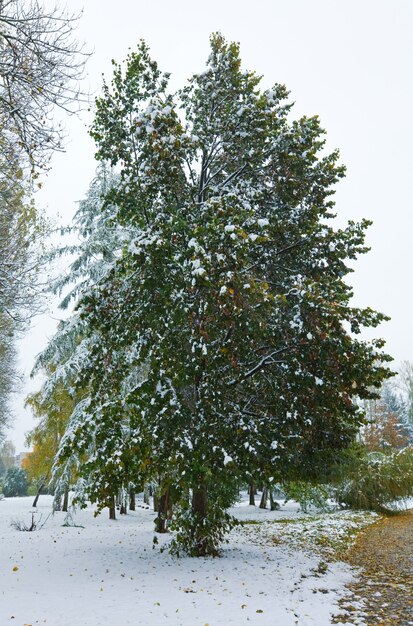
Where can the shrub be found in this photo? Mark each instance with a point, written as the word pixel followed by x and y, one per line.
pixel 35 524
pixel 374 480
pixel 198 535
pixel 307 495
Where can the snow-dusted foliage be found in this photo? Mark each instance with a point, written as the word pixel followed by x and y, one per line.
pixel 99 238
pixel 217 339
pixel 96 243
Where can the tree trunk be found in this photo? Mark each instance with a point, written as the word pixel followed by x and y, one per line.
pixel 34 505
pixel 163 509
pixel 200 501
pixel 252 494
pixel 112 508
pixel 264 498
pixel 123 510
pixel 199 513
pixel 146 495
pixel 132 500
pixel 57 504
pixel 65 500
pixel 274 505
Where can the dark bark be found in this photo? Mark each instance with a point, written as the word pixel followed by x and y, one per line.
pixel 112 508
pixel 200 512
pixel 200 501
pixel 161 522
pixel 132 500
pixel 34 505
pixel 146 494
pixel 123 510
pixel 252 494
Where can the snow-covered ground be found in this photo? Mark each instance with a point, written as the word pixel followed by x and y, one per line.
pixel 107 572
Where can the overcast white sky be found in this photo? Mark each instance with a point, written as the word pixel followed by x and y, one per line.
pixel 349 62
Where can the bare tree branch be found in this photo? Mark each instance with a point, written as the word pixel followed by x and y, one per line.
pixel 41 64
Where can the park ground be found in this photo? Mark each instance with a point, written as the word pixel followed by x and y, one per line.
pixel 283 568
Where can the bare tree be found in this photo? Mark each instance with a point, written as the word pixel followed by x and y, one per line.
pixel 41 64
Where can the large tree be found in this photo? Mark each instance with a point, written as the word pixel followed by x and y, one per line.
pixel 221 342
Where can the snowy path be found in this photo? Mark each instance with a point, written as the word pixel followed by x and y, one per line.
pixel 108 574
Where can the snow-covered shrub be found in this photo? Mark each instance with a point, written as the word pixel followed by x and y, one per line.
pixel 308 495
pixel 374 480
pixel 15 482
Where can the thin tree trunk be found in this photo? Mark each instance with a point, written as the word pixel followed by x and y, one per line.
pixel 132 500
pixel 123 502
pixel 162 519
pixel 65 500
pixel 264 498
pixel 274 505
pixel 146 494
pixel 200 511
pixel 112 508
pixel 34 505
pixel 252 494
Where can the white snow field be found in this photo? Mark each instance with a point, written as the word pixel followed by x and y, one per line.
pixel 107 573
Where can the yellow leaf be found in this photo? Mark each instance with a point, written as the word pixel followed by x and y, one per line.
pixel 15 568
